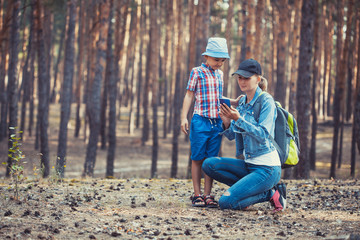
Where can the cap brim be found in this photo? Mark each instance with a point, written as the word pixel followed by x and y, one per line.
pixel 243 73
pixel 216 54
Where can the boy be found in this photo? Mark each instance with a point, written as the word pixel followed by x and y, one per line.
pixel 206 85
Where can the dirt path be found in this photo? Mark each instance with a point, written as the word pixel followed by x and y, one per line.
pixel 160 209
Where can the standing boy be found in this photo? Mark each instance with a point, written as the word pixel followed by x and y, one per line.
pixel 206 85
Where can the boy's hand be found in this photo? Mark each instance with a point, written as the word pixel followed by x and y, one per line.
pixel 235 102
pixel 184 126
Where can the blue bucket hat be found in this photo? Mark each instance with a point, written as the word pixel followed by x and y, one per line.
pixel 217 48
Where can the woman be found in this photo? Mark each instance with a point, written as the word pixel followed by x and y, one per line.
pixel 252 179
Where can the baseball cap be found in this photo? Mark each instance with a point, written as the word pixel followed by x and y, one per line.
pixel 248 68
pixel 217 48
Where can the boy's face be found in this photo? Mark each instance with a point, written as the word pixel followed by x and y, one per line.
pixel 215 63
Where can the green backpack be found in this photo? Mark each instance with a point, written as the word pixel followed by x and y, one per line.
pixel 286 139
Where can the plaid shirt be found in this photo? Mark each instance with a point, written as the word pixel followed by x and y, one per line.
pixel 207 84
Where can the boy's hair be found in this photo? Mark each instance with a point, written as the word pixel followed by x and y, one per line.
pixel 263 83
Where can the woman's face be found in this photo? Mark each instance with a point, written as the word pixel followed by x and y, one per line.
pixel 248 85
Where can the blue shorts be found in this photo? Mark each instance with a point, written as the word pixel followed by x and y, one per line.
pixel 204 137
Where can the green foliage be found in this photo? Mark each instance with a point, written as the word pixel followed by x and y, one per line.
pixel 16 156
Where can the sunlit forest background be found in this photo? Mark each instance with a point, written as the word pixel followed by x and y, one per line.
pixel 93 59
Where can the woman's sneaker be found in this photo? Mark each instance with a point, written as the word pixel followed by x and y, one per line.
pixel 278 200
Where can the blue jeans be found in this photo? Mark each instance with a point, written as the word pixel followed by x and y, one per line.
pixel 249 183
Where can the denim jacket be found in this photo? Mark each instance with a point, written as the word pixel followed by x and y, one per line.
pixel 250 134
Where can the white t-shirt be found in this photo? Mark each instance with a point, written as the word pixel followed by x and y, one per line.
pixel 268 159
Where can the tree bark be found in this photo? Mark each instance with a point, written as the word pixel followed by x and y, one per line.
pixel 26 76
pixel 177 100
pixel 12 77
pixel 56 68
pixel 94 105
pixel 154 79
pixel 356 119
pixel 303 86
pixel 329 69
pixel 281 81
pixel 259 31
pixel 228 36
pixel 250 28
pixel 66 93
pixel 133 55
pixel 141 67
pixel 146 121
pixel 79 62
pixel 4 48
pixel 314 94
pixel 294 57
pixel 43 93
pixel 342 52
pixel 111 90
pixel 168 52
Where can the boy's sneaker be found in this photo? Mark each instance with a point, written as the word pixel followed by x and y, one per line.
pixel 278 200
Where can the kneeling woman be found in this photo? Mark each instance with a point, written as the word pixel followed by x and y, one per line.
pixel 253 179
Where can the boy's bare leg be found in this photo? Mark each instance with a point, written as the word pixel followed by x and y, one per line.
pixel 207 185
pixel 196 176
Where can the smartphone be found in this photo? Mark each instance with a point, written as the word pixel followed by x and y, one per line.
pixel 226 101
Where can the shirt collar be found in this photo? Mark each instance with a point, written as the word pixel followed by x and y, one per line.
pixel 207 66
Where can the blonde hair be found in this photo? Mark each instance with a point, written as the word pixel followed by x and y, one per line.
pixel 263 84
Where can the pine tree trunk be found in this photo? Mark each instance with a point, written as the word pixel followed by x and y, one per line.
pixel 228 36
pixel 27 72
pixel 91 29
pixel 94 105
pixel 342 52
pixel 4 48
pixel 329 47
pixel 121 13
pixel 43 94
pixel 356 119
pixel 315 80
pixel 111 90
pixel 12 77
pixel 154 79
pixel 32 79
pixel 294 57
pixel 56 68
pixel 132 66
pixel 177 97
pixel 79 62
pixel 168 52
pixel 141 67
pixel 66 93
pixel 281 81
pixel 274 24
pixel 303 86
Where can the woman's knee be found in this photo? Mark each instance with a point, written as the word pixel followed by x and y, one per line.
pixel 209 164
pixel 225 201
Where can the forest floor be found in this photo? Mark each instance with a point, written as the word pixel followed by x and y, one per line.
pixel 132 206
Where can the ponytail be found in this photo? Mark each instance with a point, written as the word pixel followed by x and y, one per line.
pixel 263 83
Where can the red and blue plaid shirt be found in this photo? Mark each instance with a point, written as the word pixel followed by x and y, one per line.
pixel 207 84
